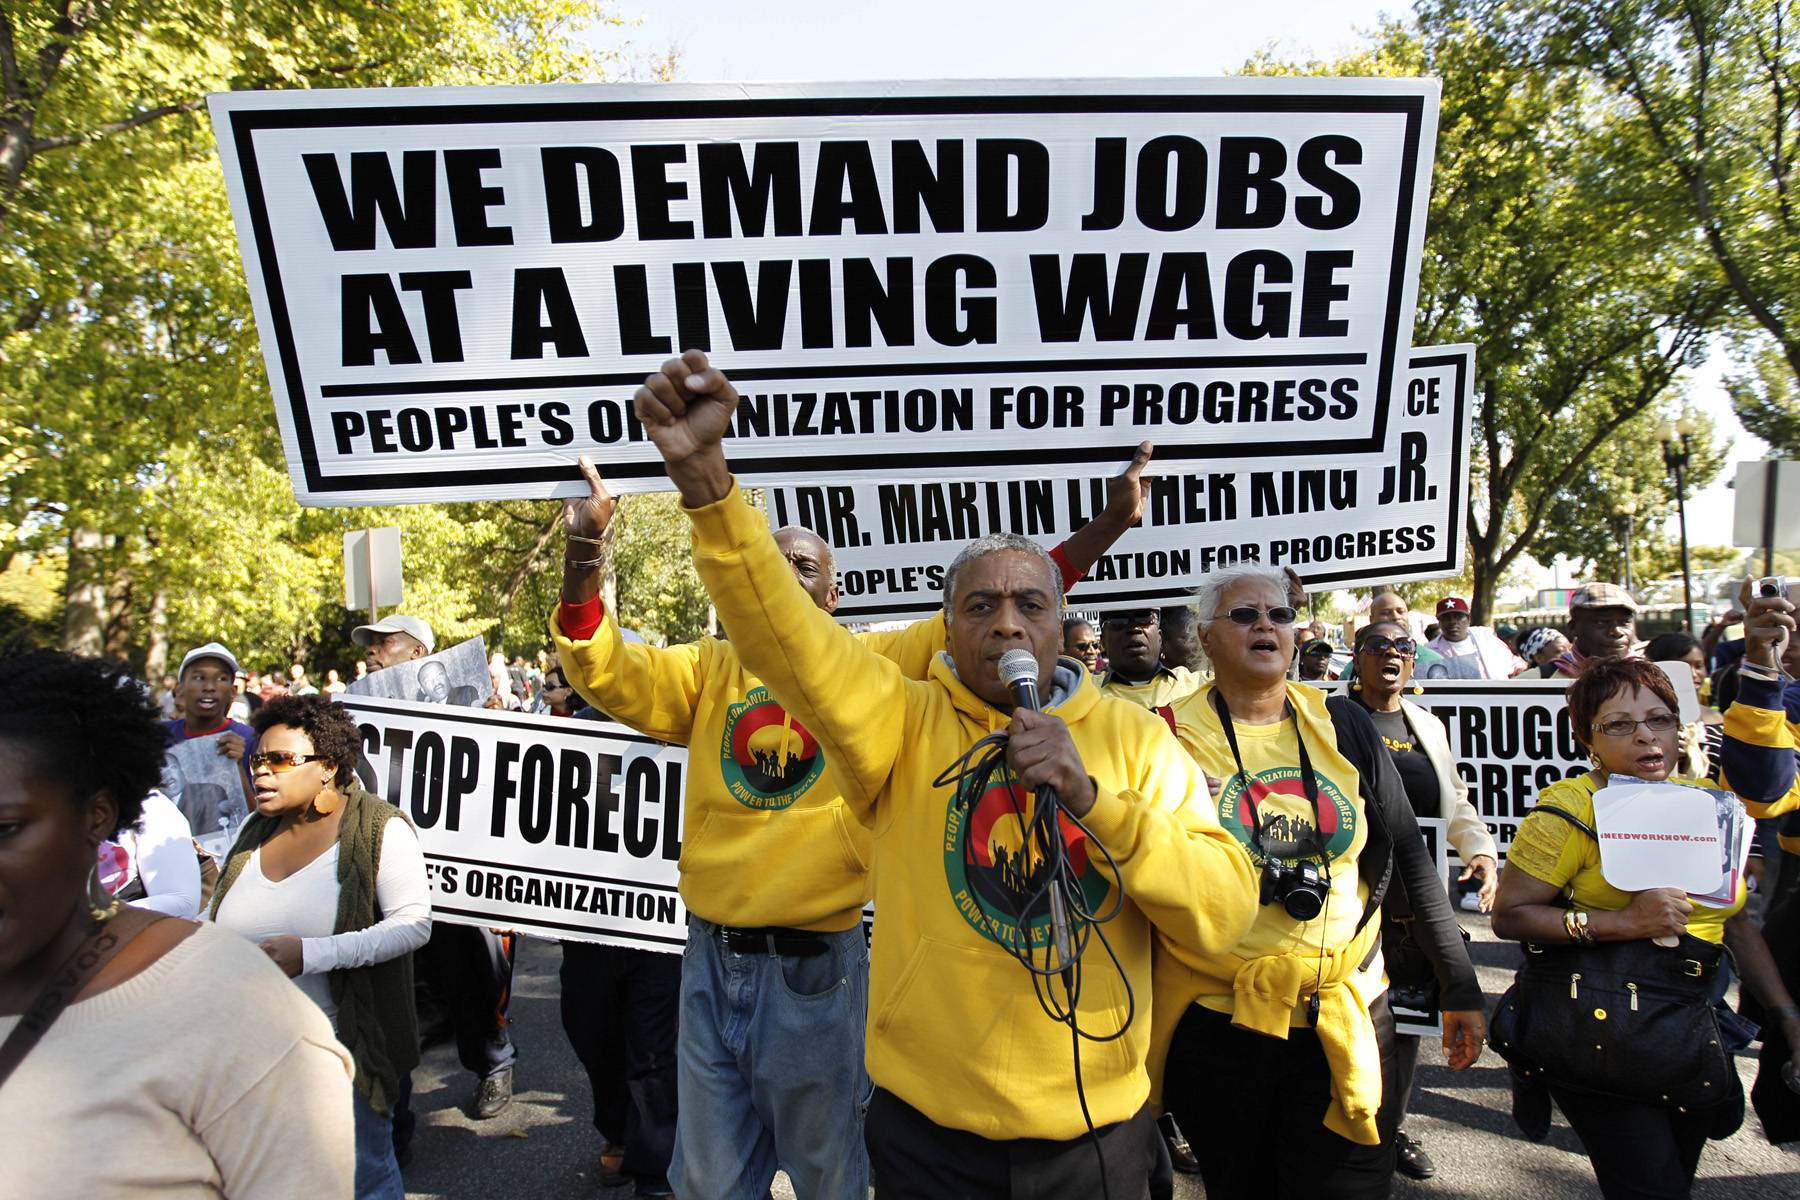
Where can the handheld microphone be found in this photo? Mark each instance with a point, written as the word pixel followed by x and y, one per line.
pixel 1019 672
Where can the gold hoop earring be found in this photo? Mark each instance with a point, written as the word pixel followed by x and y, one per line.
pixel 102 904
pixel 1356 685
pixel 1418 689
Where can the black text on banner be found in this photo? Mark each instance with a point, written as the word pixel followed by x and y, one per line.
pixel 458 289
pixel 1510 740
pixel 1340 520
pixel 568 829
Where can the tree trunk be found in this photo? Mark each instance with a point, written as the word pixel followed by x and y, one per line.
pixel 1487 583
pixel 121 615
pixel 84 594
pixel 156 648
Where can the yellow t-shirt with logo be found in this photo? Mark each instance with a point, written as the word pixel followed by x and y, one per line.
pixel 1271 758
pixel 1554 851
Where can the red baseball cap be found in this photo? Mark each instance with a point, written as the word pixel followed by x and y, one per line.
pixel 1452 604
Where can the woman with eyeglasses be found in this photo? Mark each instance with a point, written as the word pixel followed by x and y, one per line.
pixel 330 882
pixel 1416 741
pixel 1554 897
pixel 1273 1056
pixel 116 1076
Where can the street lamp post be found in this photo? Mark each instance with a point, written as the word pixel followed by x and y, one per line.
pixel 1628 510
pixel 1675 457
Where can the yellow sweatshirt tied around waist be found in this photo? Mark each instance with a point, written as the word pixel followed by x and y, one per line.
pixel 1265 991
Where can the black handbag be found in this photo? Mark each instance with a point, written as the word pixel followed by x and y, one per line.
pixel 1625 1019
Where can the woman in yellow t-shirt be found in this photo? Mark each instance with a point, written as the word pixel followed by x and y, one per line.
pixel 1552 893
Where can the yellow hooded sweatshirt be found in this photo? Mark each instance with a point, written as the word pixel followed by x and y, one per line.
pixel 1265 981
pixel 955 1028
pixel 766 839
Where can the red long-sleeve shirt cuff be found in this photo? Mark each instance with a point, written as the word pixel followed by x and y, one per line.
pixel 1070 576
pixel 579 621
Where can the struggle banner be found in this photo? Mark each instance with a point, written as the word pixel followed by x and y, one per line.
pixel 458 289
pixel 568 829
pixel 1340 520
pixel 1510 740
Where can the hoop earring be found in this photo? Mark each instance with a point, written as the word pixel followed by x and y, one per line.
pixel 1418 689
pixel 1356 685
pixel 102 904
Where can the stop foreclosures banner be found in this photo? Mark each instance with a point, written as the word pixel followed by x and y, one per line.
pixel 459 289
pixel 569 829
pixel 1362 519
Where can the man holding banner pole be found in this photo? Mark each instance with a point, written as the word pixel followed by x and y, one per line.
pixel 774 870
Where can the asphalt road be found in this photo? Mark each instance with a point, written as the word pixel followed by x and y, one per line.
pixel 544 1145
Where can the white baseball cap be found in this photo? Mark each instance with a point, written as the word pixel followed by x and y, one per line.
pixel 210 650
pixel 362 635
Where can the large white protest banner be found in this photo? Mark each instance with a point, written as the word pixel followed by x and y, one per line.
pixel 458 289
pixel 1510 740
pixel 569 829
pixel 1340 520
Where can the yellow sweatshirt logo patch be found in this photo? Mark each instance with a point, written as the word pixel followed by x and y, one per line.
pixel 993 868
pixel 768 758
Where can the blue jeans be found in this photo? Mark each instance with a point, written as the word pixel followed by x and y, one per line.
pixel 377 1171
pixel 770 1070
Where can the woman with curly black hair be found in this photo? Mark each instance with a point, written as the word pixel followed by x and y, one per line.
pixel 330 882
pixel 92 991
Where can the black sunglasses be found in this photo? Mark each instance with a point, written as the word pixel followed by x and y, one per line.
pixel 1381 643
pixel 1245 614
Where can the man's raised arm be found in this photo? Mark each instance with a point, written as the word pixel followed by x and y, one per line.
pixel 850 698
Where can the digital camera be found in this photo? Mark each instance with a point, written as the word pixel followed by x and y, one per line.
pixel 1299 887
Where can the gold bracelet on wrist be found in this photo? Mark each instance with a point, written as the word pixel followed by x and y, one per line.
pixel 1569 926
pixel 1582 931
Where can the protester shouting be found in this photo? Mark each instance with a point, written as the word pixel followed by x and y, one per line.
pixel 774 869
pixel 1554 897
pixel 108 1087
pixel 1279 1052
pixel 1417 742
pixel 330 881
pixel 971 1075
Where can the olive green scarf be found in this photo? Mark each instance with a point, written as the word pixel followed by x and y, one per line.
pixel 376 1019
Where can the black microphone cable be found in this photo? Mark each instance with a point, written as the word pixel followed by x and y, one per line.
pixel 1053 896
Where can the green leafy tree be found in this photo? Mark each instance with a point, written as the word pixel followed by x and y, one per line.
pixel 136 444
pixel 1709 87
pixel 1584 300
pixel 1626 486
pixel 1764 393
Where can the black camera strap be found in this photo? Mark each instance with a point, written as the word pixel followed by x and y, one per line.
pixel 1307 780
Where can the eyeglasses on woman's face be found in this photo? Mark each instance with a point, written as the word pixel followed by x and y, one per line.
pixel 1621 727
pixel 280 761
pixel 1247 614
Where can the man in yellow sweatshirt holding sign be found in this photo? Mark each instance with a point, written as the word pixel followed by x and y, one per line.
pixel 978 1092
pixel 774 871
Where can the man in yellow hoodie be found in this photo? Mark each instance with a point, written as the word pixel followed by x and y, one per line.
pixel 773 870
pixel 977 1092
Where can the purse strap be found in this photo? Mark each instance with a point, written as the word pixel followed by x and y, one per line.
pixel 76 972
pixel 1570 817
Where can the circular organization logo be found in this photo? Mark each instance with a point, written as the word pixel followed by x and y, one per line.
pixel 766 756
pixel 1293 826
pixel 996 870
